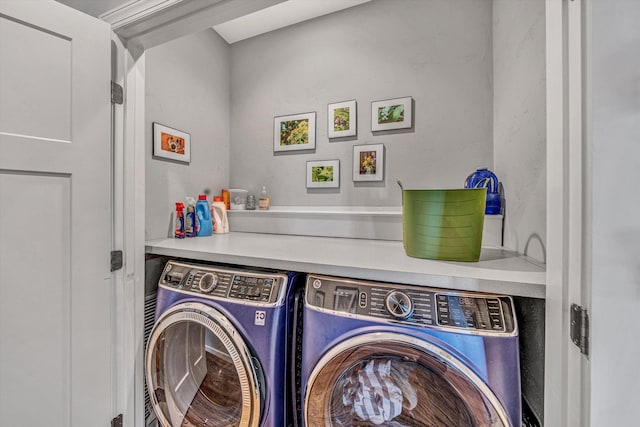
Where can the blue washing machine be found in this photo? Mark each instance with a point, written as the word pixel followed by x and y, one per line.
pixel 218 352
pixel 407 356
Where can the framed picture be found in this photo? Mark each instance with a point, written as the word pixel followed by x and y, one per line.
pixel 368 162
pixel 391 114
pixel 323 174
pixel 172 144
pixel 341 119
pixel 294 132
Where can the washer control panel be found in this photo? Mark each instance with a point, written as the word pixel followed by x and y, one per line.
pixel 222 283
pixel 470 312
pixel 414 305
pixel 251 287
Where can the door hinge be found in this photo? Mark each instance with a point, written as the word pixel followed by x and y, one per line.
pixel 580 328
pixel 117 421
pixel 117 96
pixel 116 260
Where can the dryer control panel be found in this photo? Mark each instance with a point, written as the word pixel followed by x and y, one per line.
pixel 220 283
pixel 415 305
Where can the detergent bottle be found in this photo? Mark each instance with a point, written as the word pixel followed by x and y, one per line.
pixel 190 224
pixel 220 220
pixel 179 234
pixel 204 216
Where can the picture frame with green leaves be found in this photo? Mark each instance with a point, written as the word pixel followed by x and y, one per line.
pixel 342 119
pixel 294 132
pixel 391 114
pixel 323 174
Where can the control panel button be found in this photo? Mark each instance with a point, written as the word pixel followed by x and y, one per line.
pixel 208 282
pixel 362 300
pixel 399 305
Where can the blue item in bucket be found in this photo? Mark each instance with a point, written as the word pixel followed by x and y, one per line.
pixel 484 178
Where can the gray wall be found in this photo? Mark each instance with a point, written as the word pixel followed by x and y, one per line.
pixel 614 119
pixel 519 121
pixel 187 88
pixel 438 51
pixel 475 69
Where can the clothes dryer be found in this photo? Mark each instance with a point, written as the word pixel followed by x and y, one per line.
pixel 218 352
pixel 378 354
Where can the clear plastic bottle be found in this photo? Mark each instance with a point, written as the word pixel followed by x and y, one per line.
pixel 265 201
pixel 251 202
pixel 190 224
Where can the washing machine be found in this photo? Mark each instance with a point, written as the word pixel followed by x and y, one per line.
pixel 379 354
pixel 218 352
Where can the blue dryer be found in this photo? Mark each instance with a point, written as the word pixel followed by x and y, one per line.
pixel 378 354
pixel 218 352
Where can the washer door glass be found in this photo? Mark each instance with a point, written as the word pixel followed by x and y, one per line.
pixel 395 381
pixel 200 372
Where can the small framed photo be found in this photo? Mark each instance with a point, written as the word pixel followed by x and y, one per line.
pixel 341 119
pixel 391 114
pixel 323 174
pixel 294 132
pixel 172 144
pixel 368 162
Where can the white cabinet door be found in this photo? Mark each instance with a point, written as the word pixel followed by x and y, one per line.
pixel 56 343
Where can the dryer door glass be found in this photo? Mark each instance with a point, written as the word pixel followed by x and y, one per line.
pixel 198 375
pixel 393 383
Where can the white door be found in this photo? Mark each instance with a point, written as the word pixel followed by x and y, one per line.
pixel 56 341
pixel 613 121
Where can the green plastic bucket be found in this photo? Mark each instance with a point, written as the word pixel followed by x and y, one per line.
pixel 443 224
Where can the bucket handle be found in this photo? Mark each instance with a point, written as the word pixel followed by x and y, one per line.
pixel 401 188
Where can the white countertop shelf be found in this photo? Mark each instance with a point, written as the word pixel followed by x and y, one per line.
pixel 323 210
pixel 498 270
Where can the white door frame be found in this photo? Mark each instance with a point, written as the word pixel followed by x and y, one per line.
pixel 135 214
pixel 566 369
pixel 117 189
pixel 578 262
pixel 129 233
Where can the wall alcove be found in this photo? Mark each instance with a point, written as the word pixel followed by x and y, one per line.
pixel 502 125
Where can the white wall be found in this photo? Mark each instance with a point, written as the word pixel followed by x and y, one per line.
pixel 187 88
pixel 438 51
pixel 519 121
pixel 615 152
